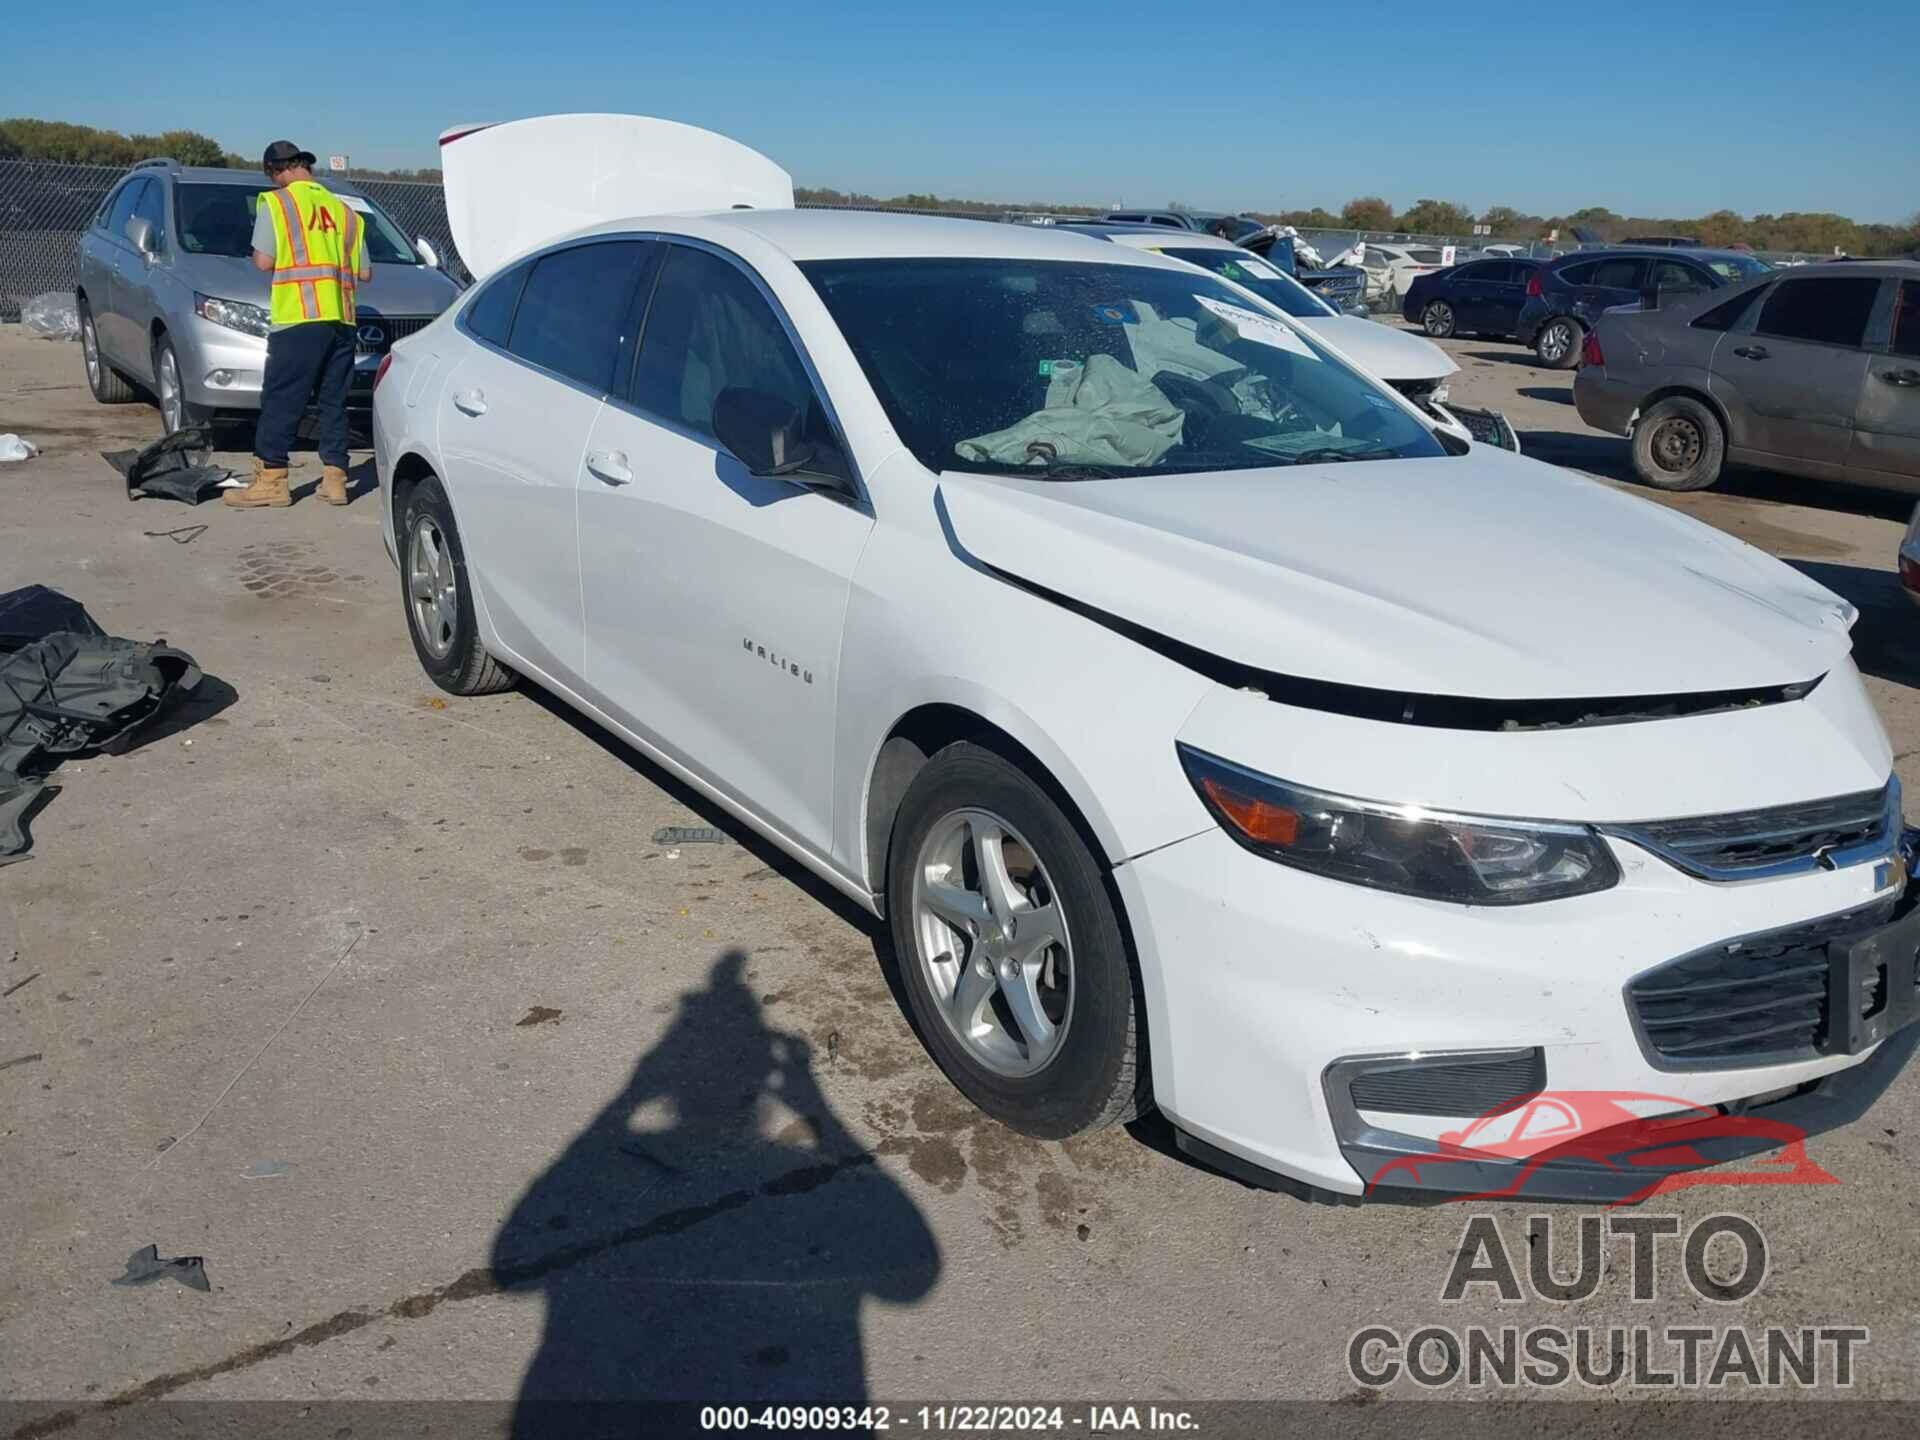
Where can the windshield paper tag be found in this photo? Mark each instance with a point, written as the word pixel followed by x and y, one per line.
pixel 356 202
pixel 1258 328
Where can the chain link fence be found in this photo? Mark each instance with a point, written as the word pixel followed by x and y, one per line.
pixel 45 206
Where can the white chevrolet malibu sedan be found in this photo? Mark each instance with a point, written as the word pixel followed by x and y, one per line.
pixel 1212 734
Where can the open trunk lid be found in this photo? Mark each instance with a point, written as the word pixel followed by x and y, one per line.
pixel 513 186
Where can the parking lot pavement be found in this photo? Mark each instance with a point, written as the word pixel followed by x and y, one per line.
pixel 389 1006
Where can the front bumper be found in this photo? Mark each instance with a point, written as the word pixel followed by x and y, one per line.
pixel 1267 977
pixel 222 369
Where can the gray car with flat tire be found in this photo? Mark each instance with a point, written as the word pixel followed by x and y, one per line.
pixel 1813 371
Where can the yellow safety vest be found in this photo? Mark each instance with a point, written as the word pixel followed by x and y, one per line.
pixel 319 245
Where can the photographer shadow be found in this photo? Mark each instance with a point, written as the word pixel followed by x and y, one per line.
pixel 711 1236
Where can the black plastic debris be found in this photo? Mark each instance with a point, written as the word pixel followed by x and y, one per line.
pixel 174 467
pixel 68 691
pixel 145 1266
pixel 691 835
pixel 35 612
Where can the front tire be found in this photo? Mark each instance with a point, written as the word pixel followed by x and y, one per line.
pixel 108 385
pixel 1679 444
pixel 1437 319
pixel 1557 346
pixel 1011 949
pixel 438 597
pixel 177 413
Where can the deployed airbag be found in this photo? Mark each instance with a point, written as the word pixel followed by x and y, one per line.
pixel 1101 413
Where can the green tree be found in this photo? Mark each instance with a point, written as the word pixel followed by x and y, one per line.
pixel 1437 217
pixel 1368 212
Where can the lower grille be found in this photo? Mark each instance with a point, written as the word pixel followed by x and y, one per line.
pixel 1467 1087
pixel 1758 1000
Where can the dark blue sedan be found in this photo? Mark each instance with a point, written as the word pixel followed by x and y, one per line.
pixel 1481 297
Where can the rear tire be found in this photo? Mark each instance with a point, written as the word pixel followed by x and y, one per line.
pixel 1679 444
pixel 437 596
pixel 108 385
pixel 971 986
pixel 1438 319
pixel 1557 346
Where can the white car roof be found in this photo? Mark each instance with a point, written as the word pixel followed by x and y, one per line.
pixel 803 235
pixel 1186 240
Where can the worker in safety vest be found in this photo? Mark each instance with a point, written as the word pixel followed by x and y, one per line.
pixel 315 245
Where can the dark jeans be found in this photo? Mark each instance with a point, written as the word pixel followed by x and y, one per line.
pixel 303 360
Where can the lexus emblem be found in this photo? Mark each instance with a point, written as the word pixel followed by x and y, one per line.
pixel 372 335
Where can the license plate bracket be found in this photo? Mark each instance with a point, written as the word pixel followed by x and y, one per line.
pixel 1870 986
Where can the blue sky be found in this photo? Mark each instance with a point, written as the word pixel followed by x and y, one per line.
pixel 1653 109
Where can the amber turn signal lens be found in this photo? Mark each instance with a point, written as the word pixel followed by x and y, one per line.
pixel 1259 820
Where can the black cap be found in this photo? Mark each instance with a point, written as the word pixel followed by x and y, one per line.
pixel 282 153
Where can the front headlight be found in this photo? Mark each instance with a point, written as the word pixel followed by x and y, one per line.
pixel 1466 859
pixel 234 314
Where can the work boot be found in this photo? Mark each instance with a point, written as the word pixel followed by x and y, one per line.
pixel 333 485
pixel 269 487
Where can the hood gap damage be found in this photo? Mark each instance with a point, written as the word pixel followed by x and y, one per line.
pixel 1398 707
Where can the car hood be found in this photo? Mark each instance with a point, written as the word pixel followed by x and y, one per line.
pixel 514 186
pixel 1485 575
pixel 394 289
pixel 1382 351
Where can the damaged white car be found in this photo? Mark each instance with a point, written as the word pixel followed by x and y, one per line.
pixel 1213 733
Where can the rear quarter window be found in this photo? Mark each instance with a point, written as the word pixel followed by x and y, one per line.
pixel 491 314
pixel 1729 313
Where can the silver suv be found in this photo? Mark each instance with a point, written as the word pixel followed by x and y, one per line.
pixel 171 305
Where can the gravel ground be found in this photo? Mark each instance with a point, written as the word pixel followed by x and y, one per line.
pixel 386 1004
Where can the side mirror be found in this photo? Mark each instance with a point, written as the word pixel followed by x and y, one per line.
pixel 764 433
pixel 424 247
pixel 140 233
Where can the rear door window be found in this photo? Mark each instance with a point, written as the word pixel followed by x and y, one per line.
pixel 1581 274
pixel 1906 319
pixel 575 309
pixel 1828 310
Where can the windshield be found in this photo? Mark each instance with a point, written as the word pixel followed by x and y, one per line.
pixel 1077 370
pixel 217 219
pixel 1265 279
pixel 1738 267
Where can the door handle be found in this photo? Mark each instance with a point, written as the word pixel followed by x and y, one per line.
pixel 470 402
pixel 1901 377
pixel 610 466
pixel 1751 352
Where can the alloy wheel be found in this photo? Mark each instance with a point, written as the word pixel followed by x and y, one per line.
pixel 90 349
pixel 172 414
pixel 431 588
pixel 992 942
pixel 1558 341
pixel 1439 319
